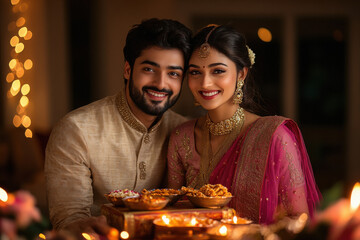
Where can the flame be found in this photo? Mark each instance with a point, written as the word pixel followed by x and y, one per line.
pixel 124 235
pixel 87 236
pixel 355 197
pixel 235 219
pixel 193 221
pixel 3 195
pixel 165 219
pixel 223 230
pixel 42 236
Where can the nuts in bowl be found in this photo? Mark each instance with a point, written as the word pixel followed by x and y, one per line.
pixel 173 194
pixel 116 196
pixel 209 196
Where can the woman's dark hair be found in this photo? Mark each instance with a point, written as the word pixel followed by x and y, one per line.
pixel 232 44
pixel 163 33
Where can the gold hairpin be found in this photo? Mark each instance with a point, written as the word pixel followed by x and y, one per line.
pixel 204 50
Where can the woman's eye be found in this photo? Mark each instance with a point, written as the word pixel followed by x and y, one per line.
pixel 219 71
pixel 194 72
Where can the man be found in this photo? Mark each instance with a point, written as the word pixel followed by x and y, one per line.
pixel 120 141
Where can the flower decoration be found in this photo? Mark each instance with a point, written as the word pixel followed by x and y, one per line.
pixel 251 55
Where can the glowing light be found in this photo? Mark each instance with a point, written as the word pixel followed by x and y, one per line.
pixel 28 64
pixel 113 234
pixel 19 47
pixel 23 31
pixel 355 197
pixel 14 2
pixel 25 89
pixel 87 236
pixel 14 40
pixel 28 133
pixel 223 230
pixel 12 63
pixel 41 235
pixel 124 235
pixel 16 85
pixel 165 219
pixel 3 195
pixel 10 77
pixel 264 34
pixel 20 72
pixel 24 7
pixel 24 101
pixel 13 92
pixel 26 121
pixel 28 35
pixel 17 121
pixel 193 221
pixel 235 219
pixel 20 22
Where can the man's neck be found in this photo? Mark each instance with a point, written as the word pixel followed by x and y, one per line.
pixel 144 118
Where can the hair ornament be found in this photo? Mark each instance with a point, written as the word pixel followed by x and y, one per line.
pixel 251 55
pixel 204 50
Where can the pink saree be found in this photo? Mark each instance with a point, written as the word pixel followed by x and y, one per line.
pixel 267 169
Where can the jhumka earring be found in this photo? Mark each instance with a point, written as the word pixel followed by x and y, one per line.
pixel 238 95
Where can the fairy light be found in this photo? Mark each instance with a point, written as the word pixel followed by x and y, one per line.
pixel 19 65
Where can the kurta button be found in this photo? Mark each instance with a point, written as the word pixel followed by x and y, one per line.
pixel 146 138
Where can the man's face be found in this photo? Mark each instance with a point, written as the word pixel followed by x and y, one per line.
pixel 155 81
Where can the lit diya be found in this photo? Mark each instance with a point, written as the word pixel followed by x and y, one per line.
pixel 183 227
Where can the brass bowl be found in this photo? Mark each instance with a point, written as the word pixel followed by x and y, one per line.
pixel 140 204
pixel 210 202
pixel 116 201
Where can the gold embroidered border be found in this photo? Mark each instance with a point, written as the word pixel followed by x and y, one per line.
pixel 252 165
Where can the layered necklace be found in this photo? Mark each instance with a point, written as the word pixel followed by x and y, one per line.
pixel 226 126
pixel 230 127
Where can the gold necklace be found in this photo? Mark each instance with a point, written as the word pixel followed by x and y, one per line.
pixel 227 125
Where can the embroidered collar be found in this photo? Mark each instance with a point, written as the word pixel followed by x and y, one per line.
pixel 129 117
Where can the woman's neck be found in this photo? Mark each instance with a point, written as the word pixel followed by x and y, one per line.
pixel 223 112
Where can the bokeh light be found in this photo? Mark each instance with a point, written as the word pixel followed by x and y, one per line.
pixel 264 34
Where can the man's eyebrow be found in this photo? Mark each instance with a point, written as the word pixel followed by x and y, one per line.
pixel 175 68
pixel 150 63
pixel 157 65
pixel 194 66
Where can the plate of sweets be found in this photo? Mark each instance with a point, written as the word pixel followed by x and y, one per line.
pixel 146 202
pixel 116 196
pixel 173 194
pixel 208 196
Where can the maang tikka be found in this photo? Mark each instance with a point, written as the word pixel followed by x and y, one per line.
pixel 238 95
pixel 204 50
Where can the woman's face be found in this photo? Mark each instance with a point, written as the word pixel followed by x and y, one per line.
pixel 212 80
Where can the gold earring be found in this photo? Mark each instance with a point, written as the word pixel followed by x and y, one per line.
pixel 196 103
pixel 238 95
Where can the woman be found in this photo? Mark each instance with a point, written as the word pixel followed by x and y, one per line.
pixel 261 160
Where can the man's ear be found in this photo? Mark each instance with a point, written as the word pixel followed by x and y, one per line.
pixel 127 70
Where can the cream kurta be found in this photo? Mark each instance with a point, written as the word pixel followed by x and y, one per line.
pixel 98 148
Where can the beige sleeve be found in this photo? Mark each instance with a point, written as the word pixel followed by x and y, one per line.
pixel 68 176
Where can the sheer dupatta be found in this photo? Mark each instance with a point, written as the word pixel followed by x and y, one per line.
pixel 256 170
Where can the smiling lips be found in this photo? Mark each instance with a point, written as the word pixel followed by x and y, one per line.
pixel 156 96
pixel 207 95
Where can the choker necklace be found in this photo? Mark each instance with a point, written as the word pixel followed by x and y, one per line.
pixel 227 125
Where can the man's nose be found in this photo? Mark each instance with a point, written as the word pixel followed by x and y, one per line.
pixel 160 81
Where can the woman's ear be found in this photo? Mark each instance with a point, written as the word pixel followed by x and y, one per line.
pixel 243 73
pixel 127 70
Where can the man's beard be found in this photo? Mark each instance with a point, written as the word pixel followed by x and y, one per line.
pixel 154 108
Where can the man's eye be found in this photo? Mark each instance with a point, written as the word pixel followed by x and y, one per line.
pixel 218 71
pixel 174 74
pixel 147 69
pixel 194 72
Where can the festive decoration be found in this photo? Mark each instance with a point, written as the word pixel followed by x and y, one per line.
pixel 19 65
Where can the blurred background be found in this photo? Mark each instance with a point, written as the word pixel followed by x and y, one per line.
pixel 59 55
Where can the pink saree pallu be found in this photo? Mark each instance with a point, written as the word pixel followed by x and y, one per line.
pixel 267 169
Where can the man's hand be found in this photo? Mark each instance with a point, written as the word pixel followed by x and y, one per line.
pixel 92 228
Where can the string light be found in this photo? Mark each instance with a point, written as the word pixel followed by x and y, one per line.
pixel 18 64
